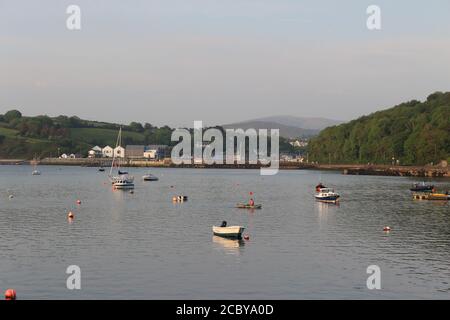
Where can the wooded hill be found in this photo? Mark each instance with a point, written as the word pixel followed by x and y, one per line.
pixel 413 132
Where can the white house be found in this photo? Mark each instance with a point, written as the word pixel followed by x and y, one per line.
pixel 63 156
pixel 107 152
pixel 95 152
pixel 72 156
pixel 150 154
pixel 119 152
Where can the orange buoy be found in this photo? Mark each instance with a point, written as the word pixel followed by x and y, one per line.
pixel 174 199
pixel 10 294
pixel 78 201
pixel 246 237
pixel 70 215
pixel 387 229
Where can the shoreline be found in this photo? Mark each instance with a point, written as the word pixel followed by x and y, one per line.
pixel 346 169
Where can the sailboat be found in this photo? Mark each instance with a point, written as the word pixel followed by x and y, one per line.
pixel 35 172
pixel 122 180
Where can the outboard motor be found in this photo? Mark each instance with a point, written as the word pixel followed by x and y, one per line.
pixel 224 224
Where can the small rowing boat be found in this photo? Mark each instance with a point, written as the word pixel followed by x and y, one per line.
pixel 228 232
pixel 247 206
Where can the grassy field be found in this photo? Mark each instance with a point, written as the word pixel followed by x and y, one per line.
pixel 103 137
pixel 10 133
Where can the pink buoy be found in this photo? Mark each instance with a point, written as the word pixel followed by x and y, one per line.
pixel 78 201
pixel 246 237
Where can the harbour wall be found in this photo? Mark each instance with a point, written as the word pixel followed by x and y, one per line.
pixel 350 169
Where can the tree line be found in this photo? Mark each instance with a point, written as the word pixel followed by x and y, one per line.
pixel 411 133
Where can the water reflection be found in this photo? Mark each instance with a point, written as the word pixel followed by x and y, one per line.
pixel 231 246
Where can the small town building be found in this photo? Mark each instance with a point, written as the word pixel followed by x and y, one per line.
pixel 135 151
pixel 119 152
pixel 156 151
pixel 107 152
pixel 95 152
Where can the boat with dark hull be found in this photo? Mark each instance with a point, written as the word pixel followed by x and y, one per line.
pixel 422 187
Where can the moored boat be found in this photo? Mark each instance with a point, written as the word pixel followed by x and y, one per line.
pixel 234 232
pixel 431 196
pixel 422 187
pixel 149 177
pixel 122 180
pixel 327 195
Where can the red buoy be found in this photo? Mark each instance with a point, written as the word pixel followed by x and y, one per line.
pixel 78 201
pixel 246 237
pixel 387 229
pixel 10 294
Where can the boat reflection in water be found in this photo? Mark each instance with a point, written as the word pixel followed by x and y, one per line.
pixel 325 210
pixel 231 246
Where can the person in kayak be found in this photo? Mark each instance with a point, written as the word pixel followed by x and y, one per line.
pixel 251 203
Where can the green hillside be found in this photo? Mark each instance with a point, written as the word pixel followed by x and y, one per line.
pixel 103 137
pixel 413 133
pixel 43 136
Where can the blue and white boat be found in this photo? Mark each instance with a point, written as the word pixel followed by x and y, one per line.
pixel 327 195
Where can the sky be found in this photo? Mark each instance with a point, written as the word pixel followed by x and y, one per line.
pixel 175 61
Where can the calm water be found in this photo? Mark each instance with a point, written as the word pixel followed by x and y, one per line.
pixel 142 246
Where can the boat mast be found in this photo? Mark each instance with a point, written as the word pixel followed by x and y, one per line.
pixel 119 140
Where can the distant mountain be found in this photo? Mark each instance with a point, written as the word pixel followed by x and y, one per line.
pixel 413 132
pixel 290 127
pixel 285 131
pixel 313 123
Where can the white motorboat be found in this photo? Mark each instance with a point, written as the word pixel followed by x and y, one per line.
pixel 327 195
pixel 123 182
pixel 149 177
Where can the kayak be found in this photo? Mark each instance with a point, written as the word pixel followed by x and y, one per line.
pixel 247 206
